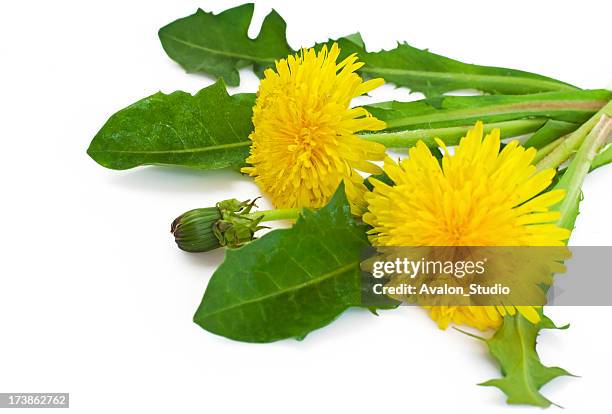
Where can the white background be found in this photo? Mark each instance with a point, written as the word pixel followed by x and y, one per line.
pixel 96 300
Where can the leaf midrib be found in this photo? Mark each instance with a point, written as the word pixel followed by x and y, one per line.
pixel 427 134
pixel 285 291
pixel 179 151
pixel 502 109
pixel 531 388
pixel 491 79
pixel 219 52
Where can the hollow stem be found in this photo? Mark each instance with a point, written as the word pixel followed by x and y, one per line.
pixel 569 146
pixel 579 167
pixel 544 151
pixel 451 135
pixel 276 214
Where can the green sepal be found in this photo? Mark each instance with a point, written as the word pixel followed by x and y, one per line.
pixel 236 227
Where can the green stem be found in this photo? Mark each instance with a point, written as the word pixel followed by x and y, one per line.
pixel 575 174
pixel 517 108
pixel 451 135
pixel 544 151
pixel 569 146
pixel 276 214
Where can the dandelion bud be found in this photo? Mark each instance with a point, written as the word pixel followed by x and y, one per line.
pixel 230 223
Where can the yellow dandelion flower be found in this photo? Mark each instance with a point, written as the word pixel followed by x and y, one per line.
pixel 477 197
pixel 304 141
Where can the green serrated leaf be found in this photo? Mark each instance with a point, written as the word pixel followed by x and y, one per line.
pixel 514 347
pixel 208 130
pixel 219 45
pixel 290 281
pixel 433 74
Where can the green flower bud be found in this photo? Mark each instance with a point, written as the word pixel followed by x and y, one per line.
pixel 230 223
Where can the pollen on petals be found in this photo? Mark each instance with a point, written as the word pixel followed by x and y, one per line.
pixel 304 142
pixel 480 196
